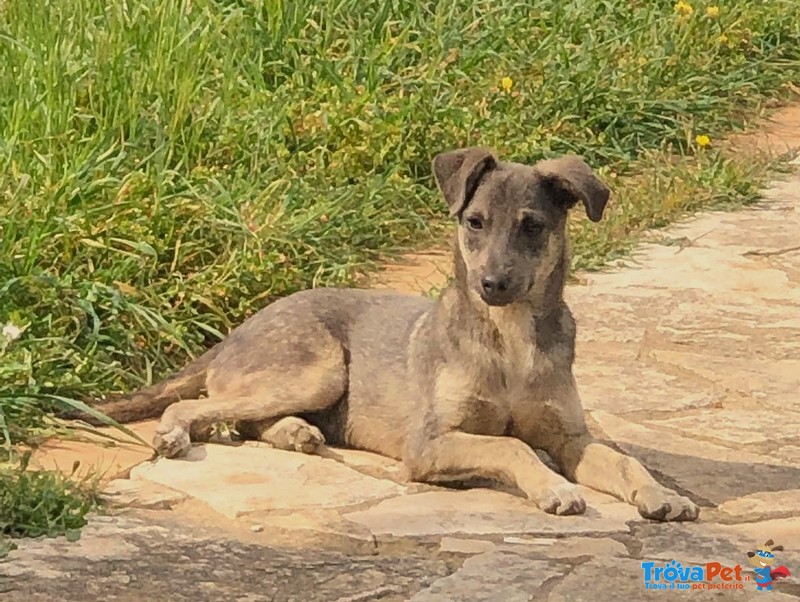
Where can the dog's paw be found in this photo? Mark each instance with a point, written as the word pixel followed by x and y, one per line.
pixel 172 443
pixel 662 504
pixel 294 434
pixel 308 439
pixel 562 499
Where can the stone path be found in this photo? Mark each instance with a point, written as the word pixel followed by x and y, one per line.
pixel 688 358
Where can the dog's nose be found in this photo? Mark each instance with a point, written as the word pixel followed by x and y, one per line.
pixel 494 284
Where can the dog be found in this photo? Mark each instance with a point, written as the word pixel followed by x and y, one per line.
pixel 459 388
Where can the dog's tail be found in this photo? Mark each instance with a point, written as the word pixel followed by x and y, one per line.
pixel 189 383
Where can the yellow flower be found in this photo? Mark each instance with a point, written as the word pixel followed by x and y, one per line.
pixel 683 8
pixel 702 140
pixel 723 39
pixel 507 83
pixel 712 12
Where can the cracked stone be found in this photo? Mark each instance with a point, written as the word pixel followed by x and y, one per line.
pixel 484 512
pixel 726 425
pixel 784 531
pixel 779 381
pixel 458 545
pixel 492 576
pixel 141 494
pixel 687 544
pixel 323 528
pixel 624 392
pixel 729 330
pixel 573 547
pixel 236 481
pixel 763 505
pixel 608 579
pixel 709 472
pixel 181 565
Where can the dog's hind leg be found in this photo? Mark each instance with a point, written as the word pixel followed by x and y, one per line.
pixel 172 438
pixel 295 376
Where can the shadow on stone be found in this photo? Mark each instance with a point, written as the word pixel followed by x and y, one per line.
pixel 711 482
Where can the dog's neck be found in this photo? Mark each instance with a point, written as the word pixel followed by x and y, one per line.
pixel 513 328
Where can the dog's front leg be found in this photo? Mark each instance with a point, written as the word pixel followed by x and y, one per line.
pixel 596 465
pixel 460 456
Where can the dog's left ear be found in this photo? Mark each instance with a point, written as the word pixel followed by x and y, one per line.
pixel 459 172
pixel 573 180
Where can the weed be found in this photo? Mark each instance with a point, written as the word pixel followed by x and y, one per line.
pixel 35 503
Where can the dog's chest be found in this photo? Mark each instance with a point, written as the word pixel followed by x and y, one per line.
pixel 515 351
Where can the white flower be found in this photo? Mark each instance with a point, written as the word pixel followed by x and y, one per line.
pixel 11 332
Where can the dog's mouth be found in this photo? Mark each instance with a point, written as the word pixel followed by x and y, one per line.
pixel 497 299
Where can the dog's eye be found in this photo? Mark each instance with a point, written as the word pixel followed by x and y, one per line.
pixel 532 227
pixel 475 223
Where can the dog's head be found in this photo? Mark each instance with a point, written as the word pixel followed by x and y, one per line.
pixel 765 555
pixel 512 239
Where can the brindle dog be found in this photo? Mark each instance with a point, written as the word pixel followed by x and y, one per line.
pixel 462 387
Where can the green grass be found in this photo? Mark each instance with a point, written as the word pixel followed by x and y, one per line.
pixel 35 503
pixel 167 167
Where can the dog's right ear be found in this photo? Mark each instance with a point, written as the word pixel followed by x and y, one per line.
pixel 459 172
pixel 573 180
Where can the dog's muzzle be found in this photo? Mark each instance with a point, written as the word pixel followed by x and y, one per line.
pixel 496 290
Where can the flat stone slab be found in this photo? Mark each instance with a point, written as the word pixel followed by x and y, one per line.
pixel 141 494
pixel 236 481
pixel 667 392
pixel 707 471
pixel 129 560
pixel 754 384
pixel 298 499
pixel 485 512
pixel 161 556
pixel 726 426
pixel 493 576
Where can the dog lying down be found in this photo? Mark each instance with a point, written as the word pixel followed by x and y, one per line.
pixel 463 387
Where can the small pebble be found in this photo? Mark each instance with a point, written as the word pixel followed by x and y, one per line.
pixel 257 528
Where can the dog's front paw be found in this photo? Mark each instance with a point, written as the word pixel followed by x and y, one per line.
pixel 659 503
pixel 562 499
pixel 172 443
